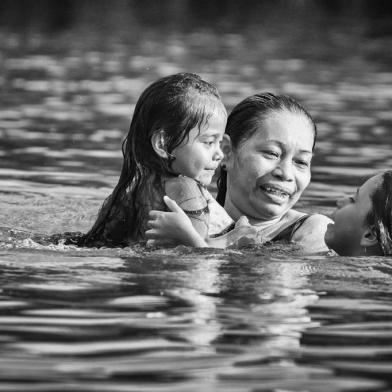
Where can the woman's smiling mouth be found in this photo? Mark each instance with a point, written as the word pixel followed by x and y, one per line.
pixel 276 193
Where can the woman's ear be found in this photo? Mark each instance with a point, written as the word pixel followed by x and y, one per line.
pixel 369 237
pixel 158 142
pixel 227 150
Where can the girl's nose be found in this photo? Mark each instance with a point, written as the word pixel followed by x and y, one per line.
pixel 218 156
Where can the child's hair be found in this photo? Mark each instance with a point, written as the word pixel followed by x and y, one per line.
pixel 173 105
pixel 247 118
pixel 380 214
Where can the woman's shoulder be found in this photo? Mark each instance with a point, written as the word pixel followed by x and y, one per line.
pixel 310 234
pixel 307 220
pixel 316 221
pixel 293 215
pixel 187 192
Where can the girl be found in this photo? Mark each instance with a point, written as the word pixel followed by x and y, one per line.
pixel 363 222
pixel 172 148
pixel 268 148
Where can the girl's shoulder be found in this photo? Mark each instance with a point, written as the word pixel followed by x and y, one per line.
pixel 187 192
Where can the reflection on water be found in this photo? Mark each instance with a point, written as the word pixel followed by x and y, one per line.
pixel 176 320
pixel 182 320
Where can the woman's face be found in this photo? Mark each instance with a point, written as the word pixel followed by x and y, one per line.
pixel 344 236
pixel 267 173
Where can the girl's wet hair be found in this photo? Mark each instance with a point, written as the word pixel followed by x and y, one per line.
pixel 247 118
pixel 173 105
pixel 380 215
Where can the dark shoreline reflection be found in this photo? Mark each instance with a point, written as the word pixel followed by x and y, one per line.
pixel 47 16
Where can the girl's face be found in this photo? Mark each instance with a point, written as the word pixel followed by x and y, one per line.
pixel 347 232
pixel 268 172
pixel 199 155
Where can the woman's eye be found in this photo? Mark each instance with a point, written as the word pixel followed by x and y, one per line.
pixel 272 154
pixel 302 163
pixel 351 199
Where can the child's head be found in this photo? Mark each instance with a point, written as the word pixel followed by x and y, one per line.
pixel 169 114
pixel 176 128
pixel 268 150
pixel 363 222
pixel 199 155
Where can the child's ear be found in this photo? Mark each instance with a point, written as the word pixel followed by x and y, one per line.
pixel 158 143
pixel 369 237
pixel 227 150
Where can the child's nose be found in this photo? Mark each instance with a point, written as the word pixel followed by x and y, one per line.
pixel 218 154
pixel 341 202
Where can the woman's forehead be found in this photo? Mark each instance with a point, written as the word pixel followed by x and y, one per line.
pixel 288 120
pixel 285 128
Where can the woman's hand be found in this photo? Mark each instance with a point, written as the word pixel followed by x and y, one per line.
pixel 244 234
pixel 173 225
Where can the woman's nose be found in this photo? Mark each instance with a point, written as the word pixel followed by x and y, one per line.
pixel 284 170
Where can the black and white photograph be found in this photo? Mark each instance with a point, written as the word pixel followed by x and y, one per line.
pixel 195 196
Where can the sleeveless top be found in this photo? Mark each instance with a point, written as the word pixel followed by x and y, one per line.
pixel 288 233
pixel 282 229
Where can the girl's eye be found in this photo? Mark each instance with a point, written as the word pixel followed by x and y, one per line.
pixel 351 199
pixel 209 143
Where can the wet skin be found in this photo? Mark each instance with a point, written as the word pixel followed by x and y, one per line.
pixel 199 155
pixel 345 234
pixel 269 171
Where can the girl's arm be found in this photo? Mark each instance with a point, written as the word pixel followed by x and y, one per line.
pixel 173 225
pixel 177 226
pixel 189 195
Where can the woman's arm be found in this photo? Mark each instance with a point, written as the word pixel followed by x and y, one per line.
pixel 310 235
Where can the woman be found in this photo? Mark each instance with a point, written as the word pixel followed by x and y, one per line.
pixel 268 148
pixel 363 222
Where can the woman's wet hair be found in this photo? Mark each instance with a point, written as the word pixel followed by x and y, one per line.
pixel 247 118
pixel 380 215
pixel 173 105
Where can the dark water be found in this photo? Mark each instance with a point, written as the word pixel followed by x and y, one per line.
pixel 184 320
pixel 179 321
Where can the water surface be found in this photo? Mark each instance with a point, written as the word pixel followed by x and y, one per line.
pixel 132 319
